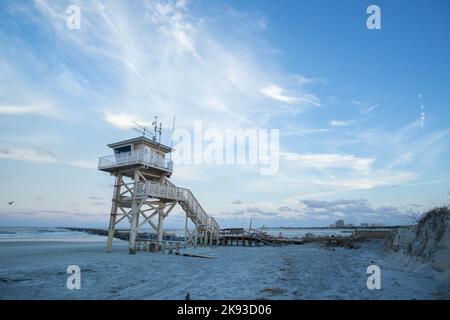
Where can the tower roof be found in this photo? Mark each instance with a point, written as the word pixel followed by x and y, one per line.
pixel 141 139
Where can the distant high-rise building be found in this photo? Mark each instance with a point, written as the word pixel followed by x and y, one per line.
pixel 340 223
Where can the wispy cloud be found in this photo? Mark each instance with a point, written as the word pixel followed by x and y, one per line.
pixel 164 69
pixel 44 110
pixel 366 108
pixel 35 155
pixel 422 116
pixel 120 120
pixel 279 94
pixel 341 123
pixel 41 155
pixel 324 161
pixel 369 109
pixel 92 165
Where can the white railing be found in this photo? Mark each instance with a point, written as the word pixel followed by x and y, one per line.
pixel 152 159
pixel 170 191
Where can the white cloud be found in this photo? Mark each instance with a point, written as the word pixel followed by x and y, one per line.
pixel 41 155
pixel 169 62
pixel 341 123
pixel 83 164
pixel 279 94
pixel 370 109
pixel 366 107
pixel 161 58
pixel 120 120
pixel 290 130
pixel 310 99
pixel 35 155
pixel 44 110
pixel 422 119
pixel 325 161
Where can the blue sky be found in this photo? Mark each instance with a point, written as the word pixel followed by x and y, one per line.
pixel 363 114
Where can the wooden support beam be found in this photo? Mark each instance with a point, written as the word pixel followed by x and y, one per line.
pixel 125 215
pixel 113 215
pixel 161 217
pixel 134 216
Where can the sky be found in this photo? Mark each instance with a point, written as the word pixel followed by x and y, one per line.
pixel 363 115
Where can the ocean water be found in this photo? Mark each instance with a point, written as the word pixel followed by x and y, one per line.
pixel 60 234
pixel 46 234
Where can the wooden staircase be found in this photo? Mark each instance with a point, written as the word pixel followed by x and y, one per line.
pixel 165 189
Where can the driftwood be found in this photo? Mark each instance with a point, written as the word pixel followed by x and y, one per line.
pixel 185 254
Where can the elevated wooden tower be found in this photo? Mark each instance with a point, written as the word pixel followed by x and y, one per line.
pixel 143 193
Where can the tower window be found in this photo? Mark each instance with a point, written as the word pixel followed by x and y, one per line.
pixel 122 149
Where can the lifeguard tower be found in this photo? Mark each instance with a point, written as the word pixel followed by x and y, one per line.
pixel 143 193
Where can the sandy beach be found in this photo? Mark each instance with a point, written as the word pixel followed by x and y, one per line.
pixel 37 270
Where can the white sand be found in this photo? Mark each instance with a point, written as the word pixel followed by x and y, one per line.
pixel 37 270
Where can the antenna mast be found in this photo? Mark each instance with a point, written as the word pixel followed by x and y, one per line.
pixel 157 129
pixel 171 139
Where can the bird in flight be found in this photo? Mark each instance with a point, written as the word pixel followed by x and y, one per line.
pixel 11 203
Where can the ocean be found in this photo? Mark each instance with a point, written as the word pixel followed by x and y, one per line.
pixel 61 234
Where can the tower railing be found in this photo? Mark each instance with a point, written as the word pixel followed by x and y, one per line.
pixel 149 158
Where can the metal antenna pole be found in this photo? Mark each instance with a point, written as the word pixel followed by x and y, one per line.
pixel 171 139
pixel 155 127
pixel 159 138
pixel 143 130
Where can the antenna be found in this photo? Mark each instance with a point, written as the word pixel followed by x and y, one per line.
pixel 141 129
pixel 157 129
pixel 171 139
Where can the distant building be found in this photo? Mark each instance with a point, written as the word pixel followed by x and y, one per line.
pixel 340 223
pixel 364 225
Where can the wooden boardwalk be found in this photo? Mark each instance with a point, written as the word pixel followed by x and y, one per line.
pixel 251 238
pixel 255 238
